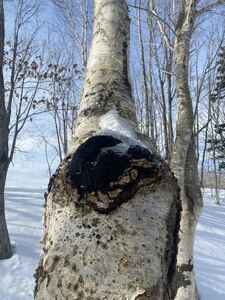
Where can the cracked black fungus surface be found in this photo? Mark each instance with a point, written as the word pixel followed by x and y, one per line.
pixel 95 163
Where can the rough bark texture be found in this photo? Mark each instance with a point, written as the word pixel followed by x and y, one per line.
pixel 112 209
pixel 184 163
pixel 5 247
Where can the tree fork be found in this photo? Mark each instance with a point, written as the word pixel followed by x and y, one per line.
pixel 112 209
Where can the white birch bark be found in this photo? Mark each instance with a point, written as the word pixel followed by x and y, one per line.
pixel 184 162
pixel 112 211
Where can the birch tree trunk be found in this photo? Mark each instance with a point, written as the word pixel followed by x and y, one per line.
pixel 112 209
pixel 5 247
pixel 184 162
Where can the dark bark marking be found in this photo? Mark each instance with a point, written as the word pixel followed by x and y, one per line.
pixel 173 227
pixel 40 275
pixel 186 267
pixel 125 66
pixel 180 278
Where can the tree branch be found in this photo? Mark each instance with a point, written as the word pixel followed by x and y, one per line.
pixel 153 12
pixel 210 7
pixel 164 34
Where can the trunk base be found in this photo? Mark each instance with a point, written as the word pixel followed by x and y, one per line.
pixel 5 246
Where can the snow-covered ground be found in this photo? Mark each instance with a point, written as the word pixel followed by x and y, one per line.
pixel 24 208
pixel 24 213
pixel 210 249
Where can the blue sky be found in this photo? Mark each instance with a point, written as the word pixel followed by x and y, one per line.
pixel 30 167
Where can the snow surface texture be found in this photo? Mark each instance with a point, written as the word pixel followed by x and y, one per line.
pixel 210 249
pixel 24 213
pixel 24 209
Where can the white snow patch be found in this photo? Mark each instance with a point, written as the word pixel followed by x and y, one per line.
pixel 113 121
pixel 114 125
pixel 124 138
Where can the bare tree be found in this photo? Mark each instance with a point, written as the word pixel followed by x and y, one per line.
pixel 5 248
pixel 156 66
pixel 184 161
pixel 18 97
pixel 74 16
pixel 62 103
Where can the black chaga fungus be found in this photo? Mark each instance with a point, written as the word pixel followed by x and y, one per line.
pixel 86 170
pixel 109 166
pixel 138 152
pixel 96 164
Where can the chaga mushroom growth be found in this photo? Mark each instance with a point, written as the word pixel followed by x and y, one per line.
pixel 107 172
pixel 89 166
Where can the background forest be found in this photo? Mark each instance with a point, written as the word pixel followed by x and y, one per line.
pixel 46 52
pixel 168 69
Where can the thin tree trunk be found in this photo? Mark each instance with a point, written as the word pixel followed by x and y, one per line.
pixel 184 162
pixel 150 64
pixel 164 117
pixel 217 197
pixel 203 158
pixel 169 57
pixel 5 247
pixel 191 207
pixel 112 211
pixel 215 179
pixel 144 75
pixel 206 135
pixel 84 12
